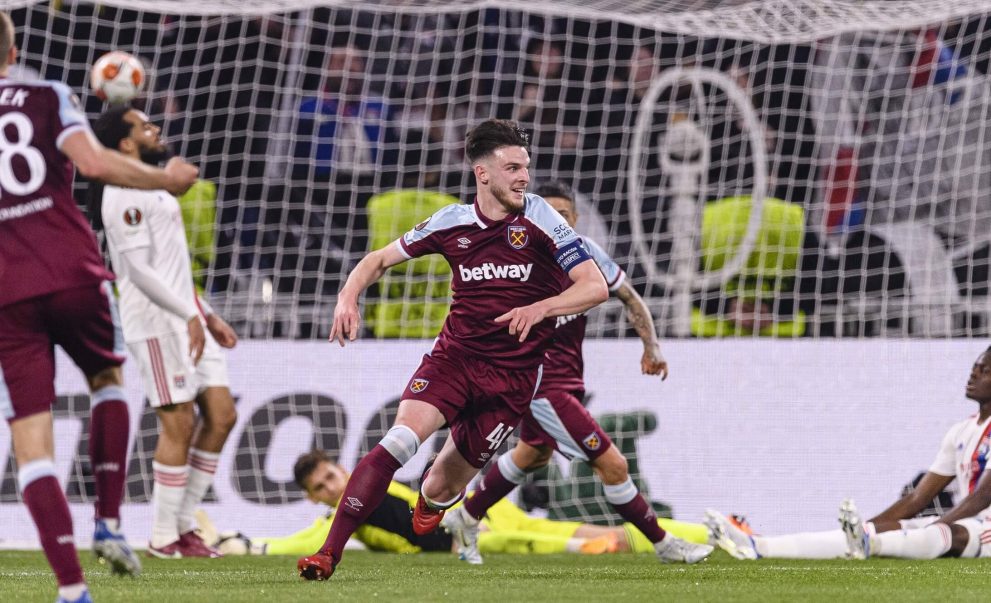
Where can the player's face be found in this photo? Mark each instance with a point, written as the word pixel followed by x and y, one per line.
pixel 507 175
pixel 146 136
pixel 979 384
pixel 565 208
pixel 326 483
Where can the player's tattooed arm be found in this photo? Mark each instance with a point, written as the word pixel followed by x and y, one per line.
pixel 652 362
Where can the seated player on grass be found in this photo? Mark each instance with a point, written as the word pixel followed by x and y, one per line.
pixel 506 529
pixel 965 531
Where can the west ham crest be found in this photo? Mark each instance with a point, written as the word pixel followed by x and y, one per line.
pixel 418 385
pixel 518 236
pixel 592 441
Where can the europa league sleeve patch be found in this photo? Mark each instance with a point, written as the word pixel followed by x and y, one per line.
pixel 132 216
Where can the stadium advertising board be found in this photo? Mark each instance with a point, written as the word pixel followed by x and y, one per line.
pixel 780 431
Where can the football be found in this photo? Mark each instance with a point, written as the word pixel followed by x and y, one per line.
pixel 117 77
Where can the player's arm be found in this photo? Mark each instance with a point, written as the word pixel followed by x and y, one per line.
pixel 915 501
pixel 135 264
pixel 971 506
pixel 97 162
pixel 588 290
pixel 652 362
pixel 347 319
pixel 221 331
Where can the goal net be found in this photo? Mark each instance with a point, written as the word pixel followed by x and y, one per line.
pixel 776 168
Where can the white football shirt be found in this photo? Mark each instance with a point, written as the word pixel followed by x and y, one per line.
pixel 133 219
pixel 964 454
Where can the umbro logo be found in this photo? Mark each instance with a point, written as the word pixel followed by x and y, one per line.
pixel 463 242
pixel 354 503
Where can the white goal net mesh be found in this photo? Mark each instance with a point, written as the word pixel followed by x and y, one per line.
pixel 777 168
pixel 859 152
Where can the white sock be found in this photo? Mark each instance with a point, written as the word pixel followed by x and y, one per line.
pixel 808 545
pixel 930 542
pixel 166 496
pixel 202 466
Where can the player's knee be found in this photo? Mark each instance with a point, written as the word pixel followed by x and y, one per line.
pixel 176 423
pixel 612 467
pixel 401 442
pixel 110 376
pixel 221 420
pixel 965 540
pixel 540 458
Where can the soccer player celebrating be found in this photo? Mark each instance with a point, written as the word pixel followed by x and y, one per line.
pixel 163 322
pixel 557 420
pixel 896 531
pixel 54 291
pixel 506 251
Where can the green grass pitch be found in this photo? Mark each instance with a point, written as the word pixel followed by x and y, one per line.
pixel 25 578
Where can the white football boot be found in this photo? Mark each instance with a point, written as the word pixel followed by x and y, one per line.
pixel 672 549
pixel 464 529
pixel 857 540
pixel 729 536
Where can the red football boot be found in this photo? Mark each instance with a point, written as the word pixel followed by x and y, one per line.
pixel 318 566
pixel 425 519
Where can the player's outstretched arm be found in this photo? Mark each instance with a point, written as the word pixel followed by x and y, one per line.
pixel 347 318
pixel 914 502
pixel 973 505
pixel 588 290
pixel 652 362
pixel 96 162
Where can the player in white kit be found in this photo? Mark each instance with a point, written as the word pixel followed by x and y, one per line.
pixel 965 531
pixel 163 322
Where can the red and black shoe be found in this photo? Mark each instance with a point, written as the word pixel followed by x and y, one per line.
pixel 425 519
pixel 318 566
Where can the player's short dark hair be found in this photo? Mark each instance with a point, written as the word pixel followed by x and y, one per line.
pixel 110 127
pixel 492 134
pixel 306 464
pixel 556 188
pixel 6 37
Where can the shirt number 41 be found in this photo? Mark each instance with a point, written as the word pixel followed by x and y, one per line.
pixel 498 435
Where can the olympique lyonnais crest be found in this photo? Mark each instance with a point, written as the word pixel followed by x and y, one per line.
pixel 418 385
pixel 592 441
pixel 132 216
pixel 518 236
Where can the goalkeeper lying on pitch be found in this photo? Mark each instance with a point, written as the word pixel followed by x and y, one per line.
pixel 506 528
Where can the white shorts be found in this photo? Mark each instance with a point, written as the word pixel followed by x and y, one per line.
pixel 168 372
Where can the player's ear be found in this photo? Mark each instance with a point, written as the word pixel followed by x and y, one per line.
pixel 481 174
pixel 126 146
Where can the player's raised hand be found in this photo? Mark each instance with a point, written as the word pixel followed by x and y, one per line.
pixel 181 175
pixel 221 331
pixel 347 319
pixel 652 362
pixel 197 339
pixel 522 319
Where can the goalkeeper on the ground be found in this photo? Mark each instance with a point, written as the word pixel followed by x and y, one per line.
pixel 506 529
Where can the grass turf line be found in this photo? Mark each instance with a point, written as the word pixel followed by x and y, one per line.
pixel 25 578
